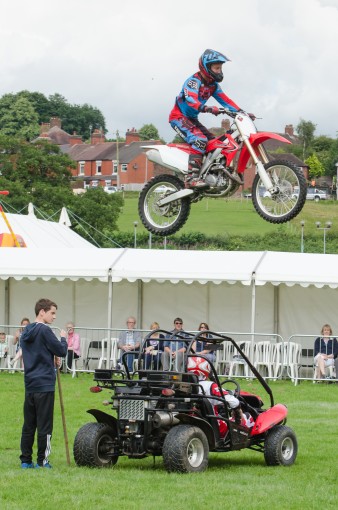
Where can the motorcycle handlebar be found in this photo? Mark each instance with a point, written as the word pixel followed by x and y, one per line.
pixel 233 114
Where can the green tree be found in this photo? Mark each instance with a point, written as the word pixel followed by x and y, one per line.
pixel 20 120
pixel 81 119
pixel 316 169
pixel 101 211
pixel 177 139
pixel 39 173
pixel 149 132
pixel 305 130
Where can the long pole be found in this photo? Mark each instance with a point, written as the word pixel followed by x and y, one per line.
pixel 65 435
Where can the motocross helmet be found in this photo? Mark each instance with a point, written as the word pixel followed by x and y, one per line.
pixel 200 367
pixel 208 58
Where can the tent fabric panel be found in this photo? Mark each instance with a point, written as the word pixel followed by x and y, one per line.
pixel 298 269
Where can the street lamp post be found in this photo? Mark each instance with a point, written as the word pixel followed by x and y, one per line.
pixel 135 233
pixel 302 224
pixel 118 183
pixel 328 225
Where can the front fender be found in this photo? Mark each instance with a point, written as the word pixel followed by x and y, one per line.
pixel 102 417
pixel 255 140
pixel 202 424
pixel 267 419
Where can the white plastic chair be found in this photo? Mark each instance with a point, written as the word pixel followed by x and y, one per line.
pixel 293 360
pixel 264 357
pixel 224 357
pixel 237 365
pixel 114 352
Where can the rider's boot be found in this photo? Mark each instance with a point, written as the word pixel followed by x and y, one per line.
pixel 194 166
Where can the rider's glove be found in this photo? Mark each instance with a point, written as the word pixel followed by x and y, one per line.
pixel 252 116
pixel 211 109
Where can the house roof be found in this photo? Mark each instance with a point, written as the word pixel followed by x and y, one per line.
pixel 273 145
pixel 106 151
pixel 291 158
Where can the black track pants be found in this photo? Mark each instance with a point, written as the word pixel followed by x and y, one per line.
pixel 38 412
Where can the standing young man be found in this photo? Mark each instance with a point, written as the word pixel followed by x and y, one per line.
pixel 39 348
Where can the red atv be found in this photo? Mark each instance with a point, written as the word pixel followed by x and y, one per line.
pixel 167 413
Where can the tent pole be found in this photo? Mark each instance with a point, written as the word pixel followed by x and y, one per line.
pixel 110 303
pixel 253 312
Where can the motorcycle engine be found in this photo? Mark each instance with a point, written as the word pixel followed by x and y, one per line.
pixel 211 179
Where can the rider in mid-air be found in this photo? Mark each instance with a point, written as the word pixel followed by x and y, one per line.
pixel 196 90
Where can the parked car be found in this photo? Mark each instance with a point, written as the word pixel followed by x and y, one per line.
pixel 316 194
pixel 110 189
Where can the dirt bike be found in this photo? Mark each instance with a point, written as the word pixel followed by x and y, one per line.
pixel 278 190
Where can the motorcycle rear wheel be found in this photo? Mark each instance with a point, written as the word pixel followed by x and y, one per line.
pixel 167 219
pixel 288 201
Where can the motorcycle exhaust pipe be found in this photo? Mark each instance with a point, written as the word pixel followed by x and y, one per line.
pixel 164 419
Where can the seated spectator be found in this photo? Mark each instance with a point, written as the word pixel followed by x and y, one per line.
pixel 202 346
pixel 129 340
pixel 73 342
pixel 202 369
pixel 153 350
pixel 173 353
pixel 17 340
pixel 3 349
pixel 325 351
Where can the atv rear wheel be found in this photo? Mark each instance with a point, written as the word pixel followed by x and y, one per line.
pixel 280 447
pixel 166 219
pixel 94 446
pixel 185 450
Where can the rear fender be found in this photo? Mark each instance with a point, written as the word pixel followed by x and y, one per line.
pixel 202 424
pixel 102 417
pixel 173 157
pixel 267 419
pixel 255 140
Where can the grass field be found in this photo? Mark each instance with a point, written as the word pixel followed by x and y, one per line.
pixel 235 216
pixel 234 480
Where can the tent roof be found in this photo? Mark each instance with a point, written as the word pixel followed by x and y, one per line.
pixel 128 264
pixel 170 265
pixel 42 233
pixel 298 269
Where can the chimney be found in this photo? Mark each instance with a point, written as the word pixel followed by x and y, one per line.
pixel 289 130
pixel 44 128
pixel 75 139
pixel 132 136
pixel 225 124
pixel 97 137
pixel 55 121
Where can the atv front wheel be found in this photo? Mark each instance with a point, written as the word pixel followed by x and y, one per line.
pixel 185 450
pixel 280 447
pixel 94 446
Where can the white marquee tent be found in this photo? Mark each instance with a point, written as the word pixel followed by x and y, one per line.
pixel 266 292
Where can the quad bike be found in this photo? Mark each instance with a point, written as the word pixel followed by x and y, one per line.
pixel 164 203
pixel 167 413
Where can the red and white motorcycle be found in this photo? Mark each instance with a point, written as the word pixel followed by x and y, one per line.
pixel 278 190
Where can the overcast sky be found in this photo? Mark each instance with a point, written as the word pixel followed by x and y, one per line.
pixel 130 59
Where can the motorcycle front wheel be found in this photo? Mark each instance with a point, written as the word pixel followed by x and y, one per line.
pixel 167 219
pixel 290 195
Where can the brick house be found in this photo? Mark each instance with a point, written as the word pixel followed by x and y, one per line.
pixel 103 163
